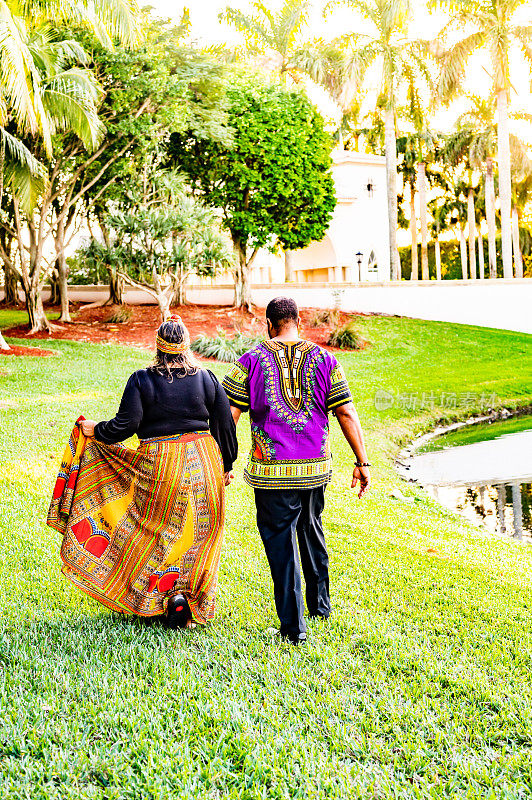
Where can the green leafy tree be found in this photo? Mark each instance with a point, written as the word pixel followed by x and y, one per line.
pixel 141 93
pixel 162 85
pixel 274 184
pixel 493 26
pixel 161 245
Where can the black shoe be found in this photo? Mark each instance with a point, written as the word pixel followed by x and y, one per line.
pixel 178 611
pixel 294 638
pixel 317 615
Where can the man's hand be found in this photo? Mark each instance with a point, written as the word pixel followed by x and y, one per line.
pixel 228 477
pixel 361 474
pixel 87 426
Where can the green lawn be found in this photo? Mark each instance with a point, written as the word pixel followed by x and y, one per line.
pixel 419 687
pixel 10 317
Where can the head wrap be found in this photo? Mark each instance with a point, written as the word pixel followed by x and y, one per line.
pixel 174 348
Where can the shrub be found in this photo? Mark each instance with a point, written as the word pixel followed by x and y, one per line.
pixel 346 337
pixel 120 315
pixel 327 316
pixel 224 347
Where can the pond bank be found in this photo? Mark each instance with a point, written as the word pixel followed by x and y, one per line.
pixel 486 477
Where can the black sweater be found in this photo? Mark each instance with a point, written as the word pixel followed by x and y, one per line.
pixel 153 405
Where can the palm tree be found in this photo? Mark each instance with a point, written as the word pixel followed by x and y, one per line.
pixel 460 151
pixel 29 46
pixel 406 146
pixel 455 198
pixel 401 63
pixel 329 65
pixel 274 34
pixel 479 141
pixel 43 94
pixel 521 197
pixel 441 209
pixel 495 29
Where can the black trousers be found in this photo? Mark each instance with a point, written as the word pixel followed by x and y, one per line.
pixel 284 516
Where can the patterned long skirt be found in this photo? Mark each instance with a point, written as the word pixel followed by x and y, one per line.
pixel 141 525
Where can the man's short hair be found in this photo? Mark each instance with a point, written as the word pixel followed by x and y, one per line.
pixel 282 310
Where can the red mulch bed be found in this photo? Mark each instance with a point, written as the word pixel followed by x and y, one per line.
pixel 26 351
pixel 90 325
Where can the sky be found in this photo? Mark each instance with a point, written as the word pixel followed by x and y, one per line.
pixel 207 29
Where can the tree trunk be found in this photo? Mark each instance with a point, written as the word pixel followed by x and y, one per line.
pixel 518 256
pixel 35 309
pixel 414 276
pixel 423 219
pixel 242 285
pixel 3 344
pixel 481 265
pixel 471 232
pixel 62 283
pixel 437 258
pixel 54 289
pixel 463 252
pixel 288 266
pixel 116 287
pixel 180 295
pixel 62 273
pixel 390 146
pixel 163 302
pixel 505 181
pixel 490 218
pixel 10 287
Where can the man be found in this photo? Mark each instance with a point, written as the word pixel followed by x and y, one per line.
pixel 289 386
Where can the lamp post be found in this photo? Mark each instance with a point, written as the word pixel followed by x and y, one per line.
pixel 359 262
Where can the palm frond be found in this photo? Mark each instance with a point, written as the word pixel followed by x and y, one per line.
pixel 521 157
pixel 70 101
pixel 523 34
pixel 17 72
pixel 108 19
pixel 394 14
pixel 254 31
pixel 224 54
pixel 453 64
pixel 292 19
pixel 25 176
pixel 120 18
pixel 51 54
pixel 366 9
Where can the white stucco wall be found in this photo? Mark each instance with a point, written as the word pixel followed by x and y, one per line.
pixel 503 304
pixel 359 225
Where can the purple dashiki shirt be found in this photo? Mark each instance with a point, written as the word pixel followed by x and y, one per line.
pixel 288 389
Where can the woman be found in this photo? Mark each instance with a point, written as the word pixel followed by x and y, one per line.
pixel 142 529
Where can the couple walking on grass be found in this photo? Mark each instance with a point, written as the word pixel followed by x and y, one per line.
pixel 142 529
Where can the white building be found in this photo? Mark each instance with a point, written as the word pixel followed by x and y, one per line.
pixel 355 248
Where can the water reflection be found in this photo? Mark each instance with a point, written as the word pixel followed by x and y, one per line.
pixel 488 481
pixel 504 508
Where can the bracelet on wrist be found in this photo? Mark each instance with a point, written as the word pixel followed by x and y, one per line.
pixel 362 464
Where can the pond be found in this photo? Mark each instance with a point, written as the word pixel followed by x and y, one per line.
pixel 483 471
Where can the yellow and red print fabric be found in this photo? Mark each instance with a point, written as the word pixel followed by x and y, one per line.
pixel 141 525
